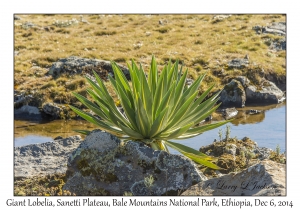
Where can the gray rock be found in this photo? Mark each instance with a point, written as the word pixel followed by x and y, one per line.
pixel 229 113
pixel 243 80
pixel 16 17
pixel 266 178
pixel 230 149
pixel 278 28
pixel 21 99
pixel 28 112
pixel 103 165
pixel 268 93
pixel 52 109
pixel 278 45
pixel 238 63
pixel 77 65
pixel 43 159
pixel 27 25
pixel 262 152
pixel 233 94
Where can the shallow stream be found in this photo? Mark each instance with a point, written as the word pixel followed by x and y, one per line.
pixel 267 128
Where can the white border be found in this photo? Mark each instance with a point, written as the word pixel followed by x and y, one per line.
pixel 153 6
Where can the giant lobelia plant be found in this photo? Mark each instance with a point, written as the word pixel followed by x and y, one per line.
pixel 157 109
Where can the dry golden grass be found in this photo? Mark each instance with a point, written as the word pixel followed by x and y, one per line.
pixel 200 42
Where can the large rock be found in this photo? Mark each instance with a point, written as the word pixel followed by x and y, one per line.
pixel 28 112
pixel 238 63
pixel 52 109
pixel 268 93
pixel 233 94
pixel 43 159
pixel 266 178
pixel 277 28
pixel 77 65
pixel 102 165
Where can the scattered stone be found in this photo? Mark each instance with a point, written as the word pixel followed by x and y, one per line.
pixel 16 17
pixel 266 178
pixel 229 113
pixel 77 65
pixel 58 137
pixel 21 99
pixel 253 111
pixel 102 165
pixel 233 94
pixel 52 109
pixel 27 25
pixel 268 93
pixel 43 159
pixel 189 82
pixel 238 63
pixel 276 28
pixel 263 152
pixel 218 18
pixel 16 53
pixel 278 45
pixel 162 22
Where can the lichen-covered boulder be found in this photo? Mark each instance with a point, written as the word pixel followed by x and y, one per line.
pixel 103 165
pixel 52 109
pixel 77 65
pixel 233 95
pixel 268 93
pixel 45 158
pixel 266 178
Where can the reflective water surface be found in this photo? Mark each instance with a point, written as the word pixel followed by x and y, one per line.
pixel 267 128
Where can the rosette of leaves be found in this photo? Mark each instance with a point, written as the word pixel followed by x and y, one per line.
pixel 157 108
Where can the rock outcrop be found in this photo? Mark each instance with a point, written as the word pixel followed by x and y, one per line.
pixel 52 109
pixel 266 178
pixel 28 112
pixel 102 165
pixel 233 94
pixel 239 92
pixel 77 65
pixel 268 93
pixel 44 159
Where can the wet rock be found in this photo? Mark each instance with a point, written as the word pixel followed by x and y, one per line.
pixel 238 63
pixel 102 165
pixel 77 65
pixel 28 112
pixel 43 159
pixel 266 178
pixel 52 109
pixel 253 111
pixel 268 93
pixel 233 94
pixel 229 113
